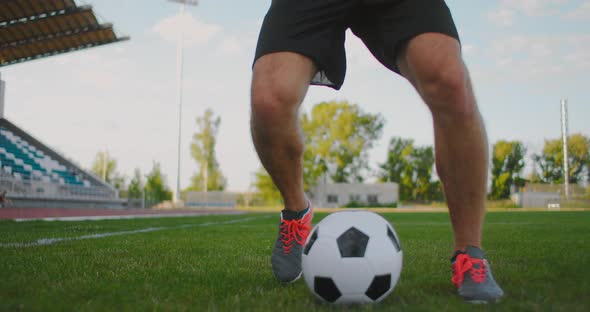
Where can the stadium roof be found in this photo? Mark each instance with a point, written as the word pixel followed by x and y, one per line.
pixel 33 29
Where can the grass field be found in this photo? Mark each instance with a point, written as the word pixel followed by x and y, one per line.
pixel 222 263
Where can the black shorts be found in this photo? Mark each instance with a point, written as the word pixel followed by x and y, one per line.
pixel 316 29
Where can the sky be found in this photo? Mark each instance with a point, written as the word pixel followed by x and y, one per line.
pixel 523 56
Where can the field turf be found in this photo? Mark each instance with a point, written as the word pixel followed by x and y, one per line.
pixel 222 263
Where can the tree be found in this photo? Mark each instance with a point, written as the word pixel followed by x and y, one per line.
pixel 266 189
pixel 411 168
pixel 550 161
pixel 203 151
pixel 156 189
pixel 338 136
pixel 507 164
pixel 105 167
pixel 422 162
pixel 534 176
pixel 396 167
pixel 135 189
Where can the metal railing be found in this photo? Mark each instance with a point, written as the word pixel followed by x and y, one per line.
pixel 26 188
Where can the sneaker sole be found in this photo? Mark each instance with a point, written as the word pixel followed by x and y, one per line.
pixel 291 281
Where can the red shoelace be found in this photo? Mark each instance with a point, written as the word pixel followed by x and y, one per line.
pixel 465 263
pixel 294 230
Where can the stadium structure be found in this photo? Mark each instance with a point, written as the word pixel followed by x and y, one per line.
pixel 31 173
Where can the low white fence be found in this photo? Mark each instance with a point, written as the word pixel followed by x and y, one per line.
pixel 213 199
pixel 17 188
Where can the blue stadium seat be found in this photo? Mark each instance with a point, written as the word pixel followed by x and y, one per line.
pixel 25 162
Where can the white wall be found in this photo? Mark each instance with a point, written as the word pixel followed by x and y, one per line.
pixel 210 199
pixel 334 195
pixel 535 199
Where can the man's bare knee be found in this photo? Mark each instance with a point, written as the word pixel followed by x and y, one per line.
pixel 279 84
pixel 448 92
pixel 440 77
pixel 269 102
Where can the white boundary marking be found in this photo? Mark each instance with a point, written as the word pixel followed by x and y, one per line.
pixel 118 217
pixel 411 223
pixel 51 241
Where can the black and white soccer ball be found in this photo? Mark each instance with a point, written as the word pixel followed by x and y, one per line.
pixel 352 257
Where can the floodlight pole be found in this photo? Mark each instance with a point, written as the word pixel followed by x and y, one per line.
pixel 564 137
pixel 179 71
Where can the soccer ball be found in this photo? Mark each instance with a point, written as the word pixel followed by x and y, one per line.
pixel 352 257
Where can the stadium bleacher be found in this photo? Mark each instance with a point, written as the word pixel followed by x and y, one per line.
pixel 30 169
pixel 24 161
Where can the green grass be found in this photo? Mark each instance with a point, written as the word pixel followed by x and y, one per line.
pixel 539 258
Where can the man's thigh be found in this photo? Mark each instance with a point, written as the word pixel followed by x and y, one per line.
pixel 430 56
pixel 282 74
pixel 388 29
pixel 314 28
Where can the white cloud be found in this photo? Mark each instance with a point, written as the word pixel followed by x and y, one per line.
pixel 581 12
pixel 505 14
pixel 536 58
pixel 468 48
pixel 501 17
pixel 231 46
pixel 195 31
pixel 533 7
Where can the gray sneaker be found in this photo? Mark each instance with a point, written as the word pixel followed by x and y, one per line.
pixel 286 254
pixel 473 277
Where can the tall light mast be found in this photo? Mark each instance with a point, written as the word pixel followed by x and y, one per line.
pixel 564 135
pixel 179 72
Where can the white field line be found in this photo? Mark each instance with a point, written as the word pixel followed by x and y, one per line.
pixel 51 241
pixel 119 217
pixel 449 223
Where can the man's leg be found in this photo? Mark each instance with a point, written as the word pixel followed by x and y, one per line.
pixel 433 64
pixel 279 85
